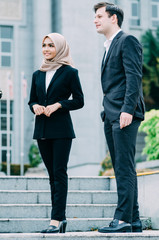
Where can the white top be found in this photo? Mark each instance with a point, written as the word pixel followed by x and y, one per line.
pixel 49 76
pixel 108 42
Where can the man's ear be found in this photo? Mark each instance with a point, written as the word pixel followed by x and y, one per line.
pixel 114 18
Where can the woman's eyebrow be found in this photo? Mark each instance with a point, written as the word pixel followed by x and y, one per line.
pixel 49 43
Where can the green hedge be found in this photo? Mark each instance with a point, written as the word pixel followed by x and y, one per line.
pixel 106 164
pixel 14 168
pixel 150 126
pixel 34 155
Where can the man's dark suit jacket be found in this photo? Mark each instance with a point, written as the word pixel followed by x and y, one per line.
pixel 122 78
pixel 64 83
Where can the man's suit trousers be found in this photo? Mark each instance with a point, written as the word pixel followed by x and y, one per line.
pixel 121 144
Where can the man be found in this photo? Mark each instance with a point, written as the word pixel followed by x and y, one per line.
pixel 121 77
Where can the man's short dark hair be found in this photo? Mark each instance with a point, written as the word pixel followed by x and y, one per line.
pixel 111 9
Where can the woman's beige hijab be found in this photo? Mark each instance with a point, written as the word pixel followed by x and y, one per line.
pixel 62 53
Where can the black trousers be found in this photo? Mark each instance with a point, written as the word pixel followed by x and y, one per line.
pixel 55 154
pixel 121 144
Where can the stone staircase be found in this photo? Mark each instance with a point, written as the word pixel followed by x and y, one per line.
pixel 25 209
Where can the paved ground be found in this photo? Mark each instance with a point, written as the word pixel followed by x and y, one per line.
pixel 83 235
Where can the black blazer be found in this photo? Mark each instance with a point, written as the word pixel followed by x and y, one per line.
pixel 121 78
pixel 64 83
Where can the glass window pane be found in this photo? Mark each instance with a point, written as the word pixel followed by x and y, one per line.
pixel 11 107
pixel 6 61
pixel 6 47
pixel 3 107
pixel 3 123
pixel 155 23
pixel 135 22
pixel 134 9
pixel 155 1
pixel 154 11
pixel 4 155
pixel 7 32
pixel 10 140
pixel 11 124
pixel 4 140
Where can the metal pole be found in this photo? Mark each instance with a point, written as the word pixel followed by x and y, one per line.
pixel 8 123
pixel 0 123
pixel 22 127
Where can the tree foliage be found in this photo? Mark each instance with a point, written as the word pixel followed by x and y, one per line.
pixel 34 155
pixel 150 42
pixel 151 127
pixel 106 164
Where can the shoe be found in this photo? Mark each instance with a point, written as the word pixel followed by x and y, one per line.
pixel 136 226
pixel 115 227
pixel 53 229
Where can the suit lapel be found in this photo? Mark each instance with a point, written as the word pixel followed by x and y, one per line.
pixel 111 48
pixel 103 61
pixel 42 81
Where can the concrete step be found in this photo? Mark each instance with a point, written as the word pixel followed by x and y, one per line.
pixel 43 196
pixel 33 225
pixel 43 210
pixel 26 203
pixel 42 183
pixel 153 235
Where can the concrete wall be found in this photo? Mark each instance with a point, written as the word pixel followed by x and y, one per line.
pixel 23 62
pixel 87 50
pixel 28 35
pixel 148 197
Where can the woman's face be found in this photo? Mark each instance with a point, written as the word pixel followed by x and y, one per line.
pixel 48 49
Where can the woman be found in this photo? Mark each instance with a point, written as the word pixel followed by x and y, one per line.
pixel 50 101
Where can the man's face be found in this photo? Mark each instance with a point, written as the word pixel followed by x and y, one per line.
pixel 103 21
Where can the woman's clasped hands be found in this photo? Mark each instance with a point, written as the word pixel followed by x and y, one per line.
pixel 48 110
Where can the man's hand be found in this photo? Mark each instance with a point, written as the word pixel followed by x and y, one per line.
pixel 38 109
pixel 51 108
pixel 125 119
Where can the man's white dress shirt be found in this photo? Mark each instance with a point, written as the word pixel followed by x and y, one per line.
pixel 108 42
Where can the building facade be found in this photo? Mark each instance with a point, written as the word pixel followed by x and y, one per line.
pixel 23 23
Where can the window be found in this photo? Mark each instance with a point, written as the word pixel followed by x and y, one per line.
pixel 135 13
pixel 6 39
pixel 3 130
pixel 155 13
